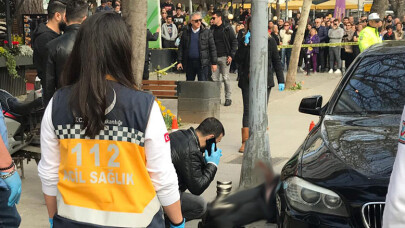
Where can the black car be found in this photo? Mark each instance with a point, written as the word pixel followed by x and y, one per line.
pixel 339 175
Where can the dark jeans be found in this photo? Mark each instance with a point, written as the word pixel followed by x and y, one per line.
pixel 168 44
pixel 245 99
pixel 194 68
pixel 61 222
pixel 192 206
pixel 348 57
pixel 9 216
pixel 285 57
pixel 322 57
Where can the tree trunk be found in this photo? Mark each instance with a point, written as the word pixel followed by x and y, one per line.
pixel 400 10
pixel 277 10
pixel 398 7
pixel 27 7
pixel 379 6
pixel 299 37
pixel 134 14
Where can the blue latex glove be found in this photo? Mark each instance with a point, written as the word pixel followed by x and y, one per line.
pixel 51 222
pixel 247 37
pixel 182 225
pixel 14 184
pixel 281 87
pixel 215 155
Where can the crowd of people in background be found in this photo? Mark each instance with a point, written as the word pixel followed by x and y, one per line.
pixel 322 29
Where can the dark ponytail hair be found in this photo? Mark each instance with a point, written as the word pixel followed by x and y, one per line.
pixel 102 47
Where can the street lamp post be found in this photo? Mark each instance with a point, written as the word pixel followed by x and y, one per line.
pixel 286 10
pixel 257 147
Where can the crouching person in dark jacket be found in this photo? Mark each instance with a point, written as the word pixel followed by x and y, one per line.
pixel 195 166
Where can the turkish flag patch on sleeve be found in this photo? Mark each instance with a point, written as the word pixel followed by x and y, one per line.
pixel 167 138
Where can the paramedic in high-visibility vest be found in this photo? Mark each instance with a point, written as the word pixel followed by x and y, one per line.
pixel 105 150
pixel 395 202
pixel 370 35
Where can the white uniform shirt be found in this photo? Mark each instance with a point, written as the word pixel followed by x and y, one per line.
pixel 394 213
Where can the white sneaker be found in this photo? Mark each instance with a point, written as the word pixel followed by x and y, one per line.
pixel 338 71
pixel 330 71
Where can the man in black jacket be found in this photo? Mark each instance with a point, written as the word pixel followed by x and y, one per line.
pixel 226 45
pixel 196 171
pixel 59 49
pixel 196 50
pixel 45 33
pixel 149 37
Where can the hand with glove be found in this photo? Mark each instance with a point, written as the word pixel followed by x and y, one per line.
pixel 215 155
pixel 281 87
pixel 247 38
pixel 14 184
pixel 51 222
pixel 182 225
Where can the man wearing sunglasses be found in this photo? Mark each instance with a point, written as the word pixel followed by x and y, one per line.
pixel 226 44
pixel 197 50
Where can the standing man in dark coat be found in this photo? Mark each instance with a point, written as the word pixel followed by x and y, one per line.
pixel 323 38
pixel 45 33
pixel 149 37
pixel 197 50
pixel 60 48
pixel 196 171
pixel 226 45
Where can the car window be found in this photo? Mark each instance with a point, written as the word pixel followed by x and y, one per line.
pixel 377 86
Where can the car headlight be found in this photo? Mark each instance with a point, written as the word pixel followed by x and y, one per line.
pixel 305 196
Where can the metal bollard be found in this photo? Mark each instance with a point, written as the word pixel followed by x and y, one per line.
pixel 223 188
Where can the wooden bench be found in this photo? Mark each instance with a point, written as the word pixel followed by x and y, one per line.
pixel 161 88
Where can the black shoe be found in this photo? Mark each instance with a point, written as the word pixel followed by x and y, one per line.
pixel 228 102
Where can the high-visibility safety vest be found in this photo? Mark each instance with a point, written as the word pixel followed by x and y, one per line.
pixel 367 37
pixel 104 180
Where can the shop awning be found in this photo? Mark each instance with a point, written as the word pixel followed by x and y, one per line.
pixel 331 5
pixel 292 5
pixel 317 5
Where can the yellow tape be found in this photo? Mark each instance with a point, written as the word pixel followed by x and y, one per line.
pixel 302 46
pixel 164 70
pixel 320 45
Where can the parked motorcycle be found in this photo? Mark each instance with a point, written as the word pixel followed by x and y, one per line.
pixel 23 123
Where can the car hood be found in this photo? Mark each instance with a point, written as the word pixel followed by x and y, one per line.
pixel 366 145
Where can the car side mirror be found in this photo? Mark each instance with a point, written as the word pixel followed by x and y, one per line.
pixel 311 105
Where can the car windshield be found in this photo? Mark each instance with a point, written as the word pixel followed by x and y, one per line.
pixel 377 86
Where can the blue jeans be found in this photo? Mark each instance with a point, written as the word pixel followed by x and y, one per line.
pixel 285 57
pixel 3 129
pixel 9 217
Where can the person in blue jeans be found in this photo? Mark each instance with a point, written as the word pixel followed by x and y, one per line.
pixel 10 182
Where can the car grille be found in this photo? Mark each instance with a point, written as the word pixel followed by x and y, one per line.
pixel 372 214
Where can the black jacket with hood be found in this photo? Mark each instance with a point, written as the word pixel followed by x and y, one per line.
pixel 58 52
pixel 208 52
pixel 40 38
pixel 193 172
